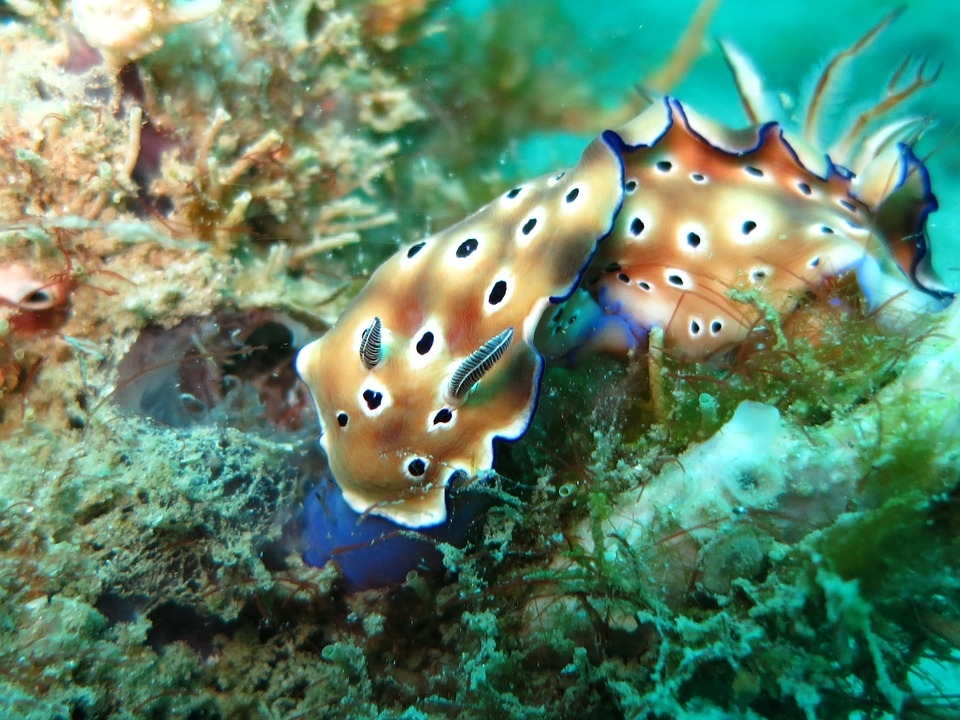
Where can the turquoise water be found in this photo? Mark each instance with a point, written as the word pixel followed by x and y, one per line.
pixel 618 44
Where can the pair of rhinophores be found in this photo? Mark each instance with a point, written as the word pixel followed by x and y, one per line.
pixel 659 225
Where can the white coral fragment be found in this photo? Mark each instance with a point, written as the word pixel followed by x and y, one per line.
pixel 125 30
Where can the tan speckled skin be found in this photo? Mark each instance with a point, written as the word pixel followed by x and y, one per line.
pixel 662 278
pixel 437 291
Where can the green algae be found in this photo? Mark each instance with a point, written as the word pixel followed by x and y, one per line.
pixel 819 628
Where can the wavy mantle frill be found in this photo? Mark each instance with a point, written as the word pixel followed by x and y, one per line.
pixel 669 222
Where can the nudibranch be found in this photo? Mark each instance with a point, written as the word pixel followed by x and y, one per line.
pixel 434 359
pixel 670 221
pixel 711 216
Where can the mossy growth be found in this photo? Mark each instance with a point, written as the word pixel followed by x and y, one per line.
pixel 767 643
pixel 815 365
pixel 603 424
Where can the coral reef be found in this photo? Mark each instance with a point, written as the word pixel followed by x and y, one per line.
pixel 175 222
pixel 128 30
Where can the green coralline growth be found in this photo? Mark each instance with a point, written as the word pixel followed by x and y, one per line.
pixel 786 566
pixel 217 172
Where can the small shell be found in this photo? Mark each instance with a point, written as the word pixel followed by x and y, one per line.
pixel 22 289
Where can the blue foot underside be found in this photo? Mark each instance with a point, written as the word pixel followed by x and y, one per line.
pixel 373 552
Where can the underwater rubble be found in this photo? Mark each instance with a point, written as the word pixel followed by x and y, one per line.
pixel 186 205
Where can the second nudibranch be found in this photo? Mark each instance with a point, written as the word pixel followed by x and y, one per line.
pixel 669 221
pixel 718 227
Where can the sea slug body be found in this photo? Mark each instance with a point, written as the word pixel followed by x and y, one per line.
pixel 666 222
pixel 434 359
